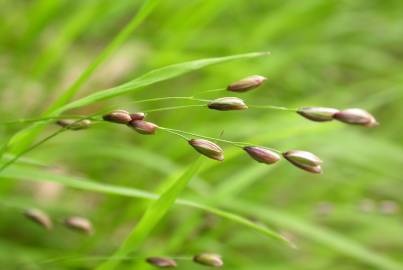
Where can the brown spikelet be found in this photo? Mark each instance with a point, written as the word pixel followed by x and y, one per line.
pixel 80 224
pixel 208 259
pixel 143 127
pixel 118 116
pixel 162 262
pixel 207 148
pixel 39 217
pixel 247 83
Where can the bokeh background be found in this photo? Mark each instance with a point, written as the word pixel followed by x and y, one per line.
pixel 332 53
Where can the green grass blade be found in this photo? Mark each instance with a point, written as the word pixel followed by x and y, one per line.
pixel 25 137
pixel 21 173
pixel 325 237
pixel 154 213
pixel 123 35
pixel 22 139
pixel 155 76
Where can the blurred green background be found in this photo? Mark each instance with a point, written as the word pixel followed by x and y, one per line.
pixel 339 54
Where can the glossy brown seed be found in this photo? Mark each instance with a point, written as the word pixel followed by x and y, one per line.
pixel 304 160
pixel 162 262
pixel 39 217
pixel 137 116
pixel 118 116
pixel 143 127
pixel 356 117
pixel 79 224
pixel 209 259
pixel 388 207
pixel 227 104
pixel 262 155
pixel 74 124
pixel 207 148
pixel 318 114
pixel 247 83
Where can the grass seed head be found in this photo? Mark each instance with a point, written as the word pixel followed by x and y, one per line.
pixel 304 160
pixel 356 116
pixel 318 114
pixel 227 104
pixel 39 217
pixel 262 155
pixel 118 116
pixel 79 224
pixel 74 124
pixel 161 262
pixel 143 127
pixel 388 207
pixel 207 148
pixel 137 116
pixel 246 84
pixel 208 259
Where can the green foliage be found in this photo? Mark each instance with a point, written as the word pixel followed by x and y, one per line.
pixel 87 57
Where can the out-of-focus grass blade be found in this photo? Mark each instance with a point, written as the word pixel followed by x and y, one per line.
pixel 326 237
pixel 22 139
pixel 21 173
pixel 154 213
pixel 154 76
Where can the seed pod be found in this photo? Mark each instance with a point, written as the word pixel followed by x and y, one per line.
pixel 356 117
pixel 304 160
pixel 137 116
pixel 74 124
pixel 388 207
pixel 246 84
pixel 143 127
pixel 208 259
pixel 318 114
pixel 262 155
pixel 79 224
pixel 324 208
pixel 207 148
pixel 367 205
pixel 39 217
pixel 118 116
pixel 161 262
pixel 227 104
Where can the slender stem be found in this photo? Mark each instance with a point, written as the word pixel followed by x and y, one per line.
pixel 271 107
pixel 168 98
pixel 11 161
pixel 31 120
pixel 101 258
pixel 174 132
pixel 32 147
pixel 237 144
pixel 211 91
pixel 174 108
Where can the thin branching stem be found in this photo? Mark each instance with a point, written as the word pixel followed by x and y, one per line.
pixel 237 144
pixel 32 120
pixel 168 98
pixel 272 107
pixel 174 108
pixel 32 147
pixel 211 91
pixel 174 132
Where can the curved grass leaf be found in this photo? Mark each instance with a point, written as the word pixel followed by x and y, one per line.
pixel 320 235
pixel 21 173
pixel 154 213
pixel 155 76
pixel 22 139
